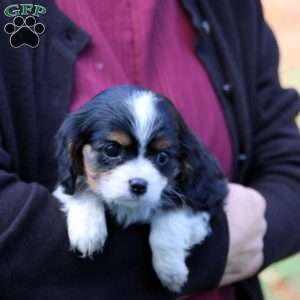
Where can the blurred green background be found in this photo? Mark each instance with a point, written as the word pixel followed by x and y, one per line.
pixel 282 280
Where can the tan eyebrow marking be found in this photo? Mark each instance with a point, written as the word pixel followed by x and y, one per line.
pixel 120 137
pixel 161 143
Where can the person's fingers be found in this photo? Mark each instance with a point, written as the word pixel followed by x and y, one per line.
pixel 238 273
pixel 245 210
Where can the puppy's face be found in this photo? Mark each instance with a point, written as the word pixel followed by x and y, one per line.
pixel 128 169
pixel 132 148
pixel 131 154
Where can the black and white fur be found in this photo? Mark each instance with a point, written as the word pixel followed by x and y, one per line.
pixel 129 151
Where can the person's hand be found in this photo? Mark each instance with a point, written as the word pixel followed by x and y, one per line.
pixel 245 209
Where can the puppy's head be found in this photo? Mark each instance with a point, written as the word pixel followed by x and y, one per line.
pixel 132 148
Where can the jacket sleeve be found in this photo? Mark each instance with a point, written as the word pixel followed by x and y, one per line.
pixel 32 230
pixel 275 164
pixel 206 262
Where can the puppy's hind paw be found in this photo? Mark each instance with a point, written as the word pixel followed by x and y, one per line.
pixel 174 280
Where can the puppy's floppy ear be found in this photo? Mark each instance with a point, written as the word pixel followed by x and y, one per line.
pixel 202 181
pixel 69 144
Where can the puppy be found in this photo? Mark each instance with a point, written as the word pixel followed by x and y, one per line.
pixel 128 151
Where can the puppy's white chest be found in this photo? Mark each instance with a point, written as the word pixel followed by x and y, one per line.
pixel 126 216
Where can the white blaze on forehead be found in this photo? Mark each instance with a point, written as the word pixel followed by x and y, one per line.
pixel 143 108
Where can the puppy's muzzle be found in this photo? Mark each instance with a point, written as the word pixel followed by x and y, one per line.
pixel 138 186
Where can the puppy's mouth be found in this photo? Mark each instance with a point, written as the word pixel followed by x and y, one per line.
pixel 130 201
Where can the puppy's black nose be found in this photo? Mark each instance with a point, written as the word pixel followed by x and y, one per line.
pixel 138 186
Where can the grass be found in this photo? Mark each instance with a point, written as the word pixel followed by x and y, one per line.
pixel 282 280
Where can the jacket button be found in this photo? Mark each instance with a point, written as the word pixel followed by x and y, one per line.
pixel 227 89
pixel 242 157
pixel 205 27
pixel 68 35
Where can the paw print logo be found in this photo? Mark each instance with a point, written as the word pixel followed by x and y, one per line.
pixel 24 32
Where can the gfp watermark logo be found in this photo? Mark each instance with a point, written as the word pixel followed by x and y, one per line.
pixel 24 30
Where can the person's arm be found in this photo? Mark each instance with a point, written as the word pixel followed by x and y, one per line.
pixel 275 165
pixel 273 177
pixel 245 211
pixel 273 182
pixel 32 229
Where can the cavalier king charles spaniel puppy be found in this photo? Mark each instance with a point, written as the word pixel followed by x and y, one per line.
pixel 129 152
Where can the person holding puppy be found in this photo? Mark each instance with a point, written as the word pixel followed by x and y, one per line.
pixel 217 61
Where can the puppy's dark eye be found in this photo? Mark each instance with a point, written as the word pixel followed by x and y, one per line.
pixel 162 158
pixel 112 150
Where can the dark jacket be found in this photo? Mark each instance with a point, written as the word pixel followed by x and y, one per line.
pixel 241 56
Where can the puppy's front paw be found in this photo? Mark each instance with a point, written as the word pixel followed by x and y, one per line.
pixel 172 276
pixel 87 236
pixel 85 220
